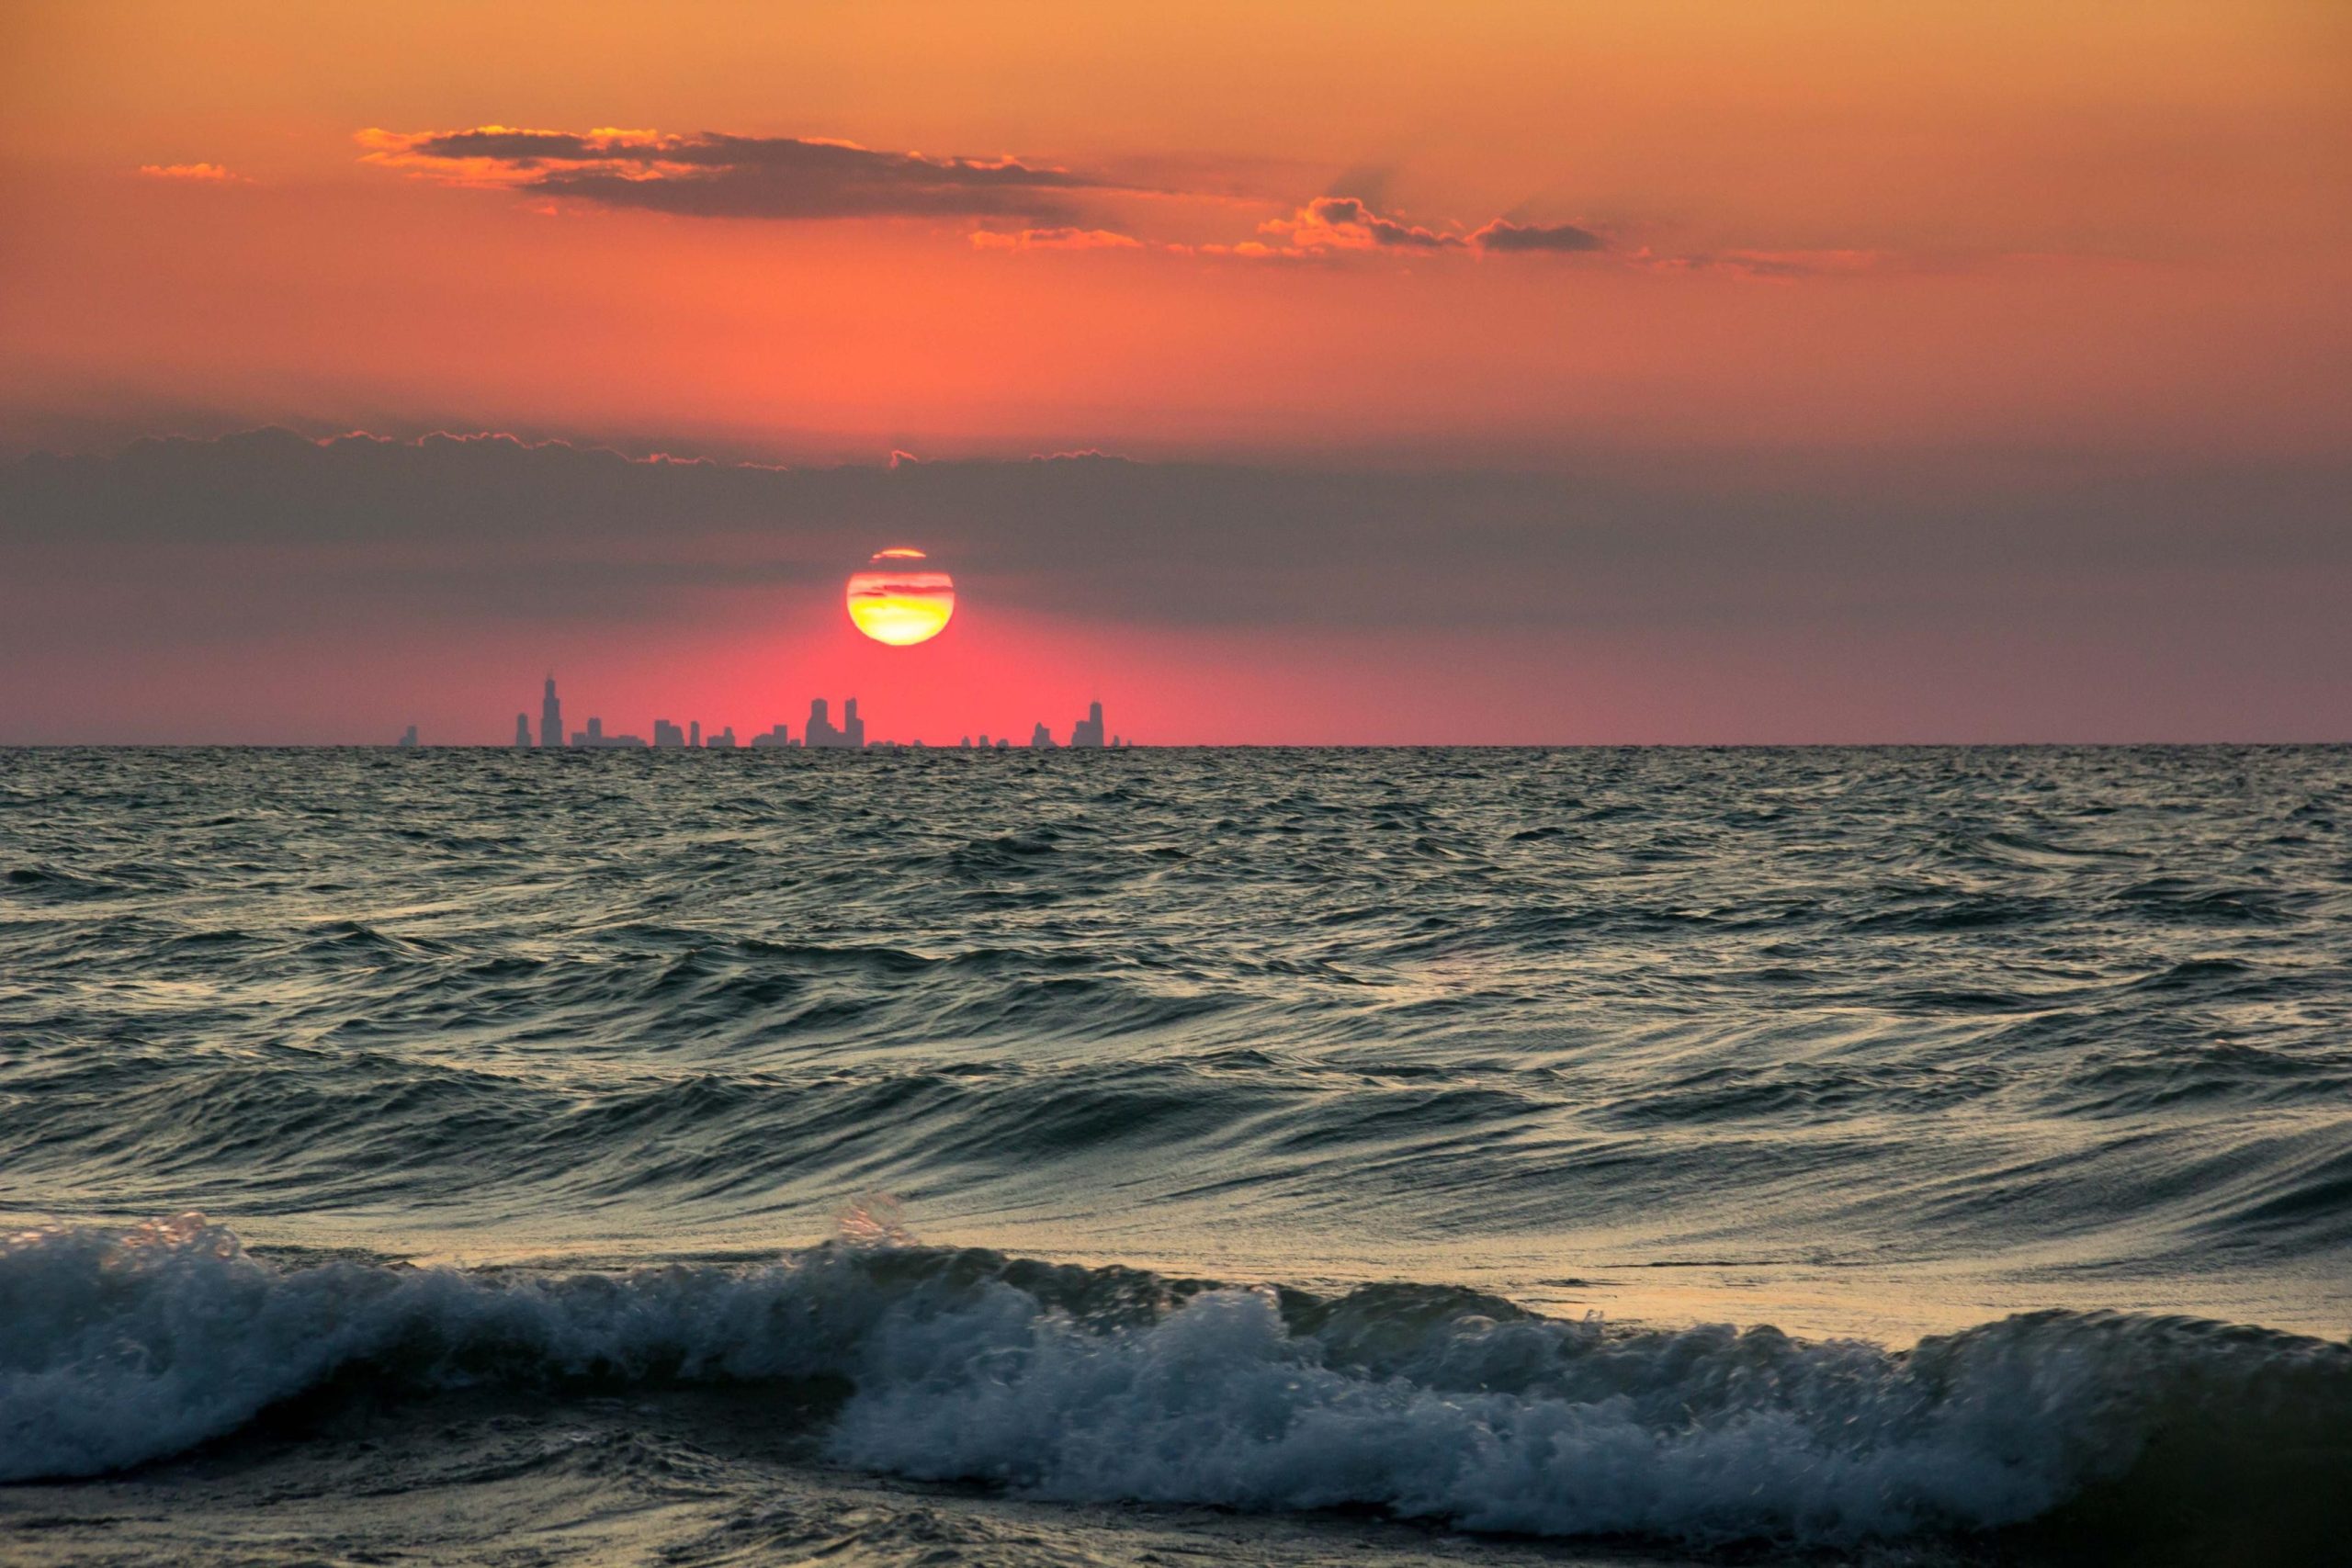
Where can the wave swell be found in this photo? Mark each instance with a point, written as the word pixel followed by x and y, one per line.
pixel 123 1346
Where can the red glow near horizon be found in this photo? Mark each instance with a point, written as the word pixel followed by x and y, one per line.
pixel 1912 372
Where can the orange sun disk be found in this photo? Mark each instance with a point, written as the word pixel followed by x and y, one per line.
pixel 893 604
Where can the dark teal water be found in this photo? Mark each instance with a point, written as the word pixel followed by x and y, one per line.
pixel 1427 1132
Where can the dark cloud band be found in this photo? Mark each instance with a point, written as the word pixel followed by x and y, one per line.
pixel 712 174
pixel 1557 238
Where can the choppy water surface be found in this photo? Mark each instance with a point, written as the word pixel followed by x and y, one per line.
pixel 730 1156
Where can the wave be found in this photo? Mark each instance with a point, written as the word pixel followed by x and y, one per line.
pixel 124 1346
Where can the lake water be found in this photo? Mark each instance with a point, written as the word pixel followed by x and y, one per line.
pixel 1175 1155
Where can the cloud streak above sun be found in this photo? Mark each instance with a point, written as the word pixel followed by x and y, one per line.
pixel 713 174
pixel 1005 204
pixel 1019 205
pixel 1011 204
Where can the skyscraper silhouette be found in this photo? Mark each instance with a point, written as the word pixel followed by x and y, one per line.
pixel 593 737
pixel 1088 733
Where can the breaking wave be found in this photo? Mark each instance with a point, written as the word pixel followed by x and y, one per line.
pixel 125 1345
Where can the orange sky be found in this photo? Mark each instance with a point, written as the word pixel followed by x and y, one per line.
pixel 1834 252
pixel 2127 224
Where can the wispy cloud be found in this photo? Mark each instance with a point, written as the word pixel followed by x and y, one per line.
pixel 1333 224
pixel 1346 223
pixel 1557 239
pixel 714 174
pixel 1771 264
pixel 1060 239
pixel 201 174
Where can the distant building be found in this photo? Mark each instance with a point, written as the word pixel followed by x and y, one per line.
pixel 550 717
pixel 593 737
pixel 966 744
pixel 1040 738
pixel 521 729
pixel 407 739
pixel 1088 731
pixel 693 734
pixel 722 741
pixel 821 730
pixel 773 738
pixel 667 734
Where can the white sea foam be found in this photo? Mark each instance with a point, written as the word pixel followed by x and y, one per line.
pixel 117 1347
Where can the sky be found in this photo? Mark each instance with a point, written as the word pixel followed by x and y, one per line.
pixel 1529 373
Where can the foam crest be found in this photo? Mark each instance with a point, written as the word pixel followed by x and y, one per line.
pixel 1708 1434
pixel 1108 1384
pixel 127 1346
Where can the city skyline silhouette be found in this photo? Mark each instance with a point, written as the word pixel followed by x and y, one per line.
pixel 819 732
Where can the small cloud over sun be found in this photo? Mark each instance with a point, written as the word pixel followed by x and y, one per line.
pixel 896 601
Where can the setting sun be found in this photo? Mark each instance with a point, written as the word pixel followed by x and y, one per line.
pixel 893 602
